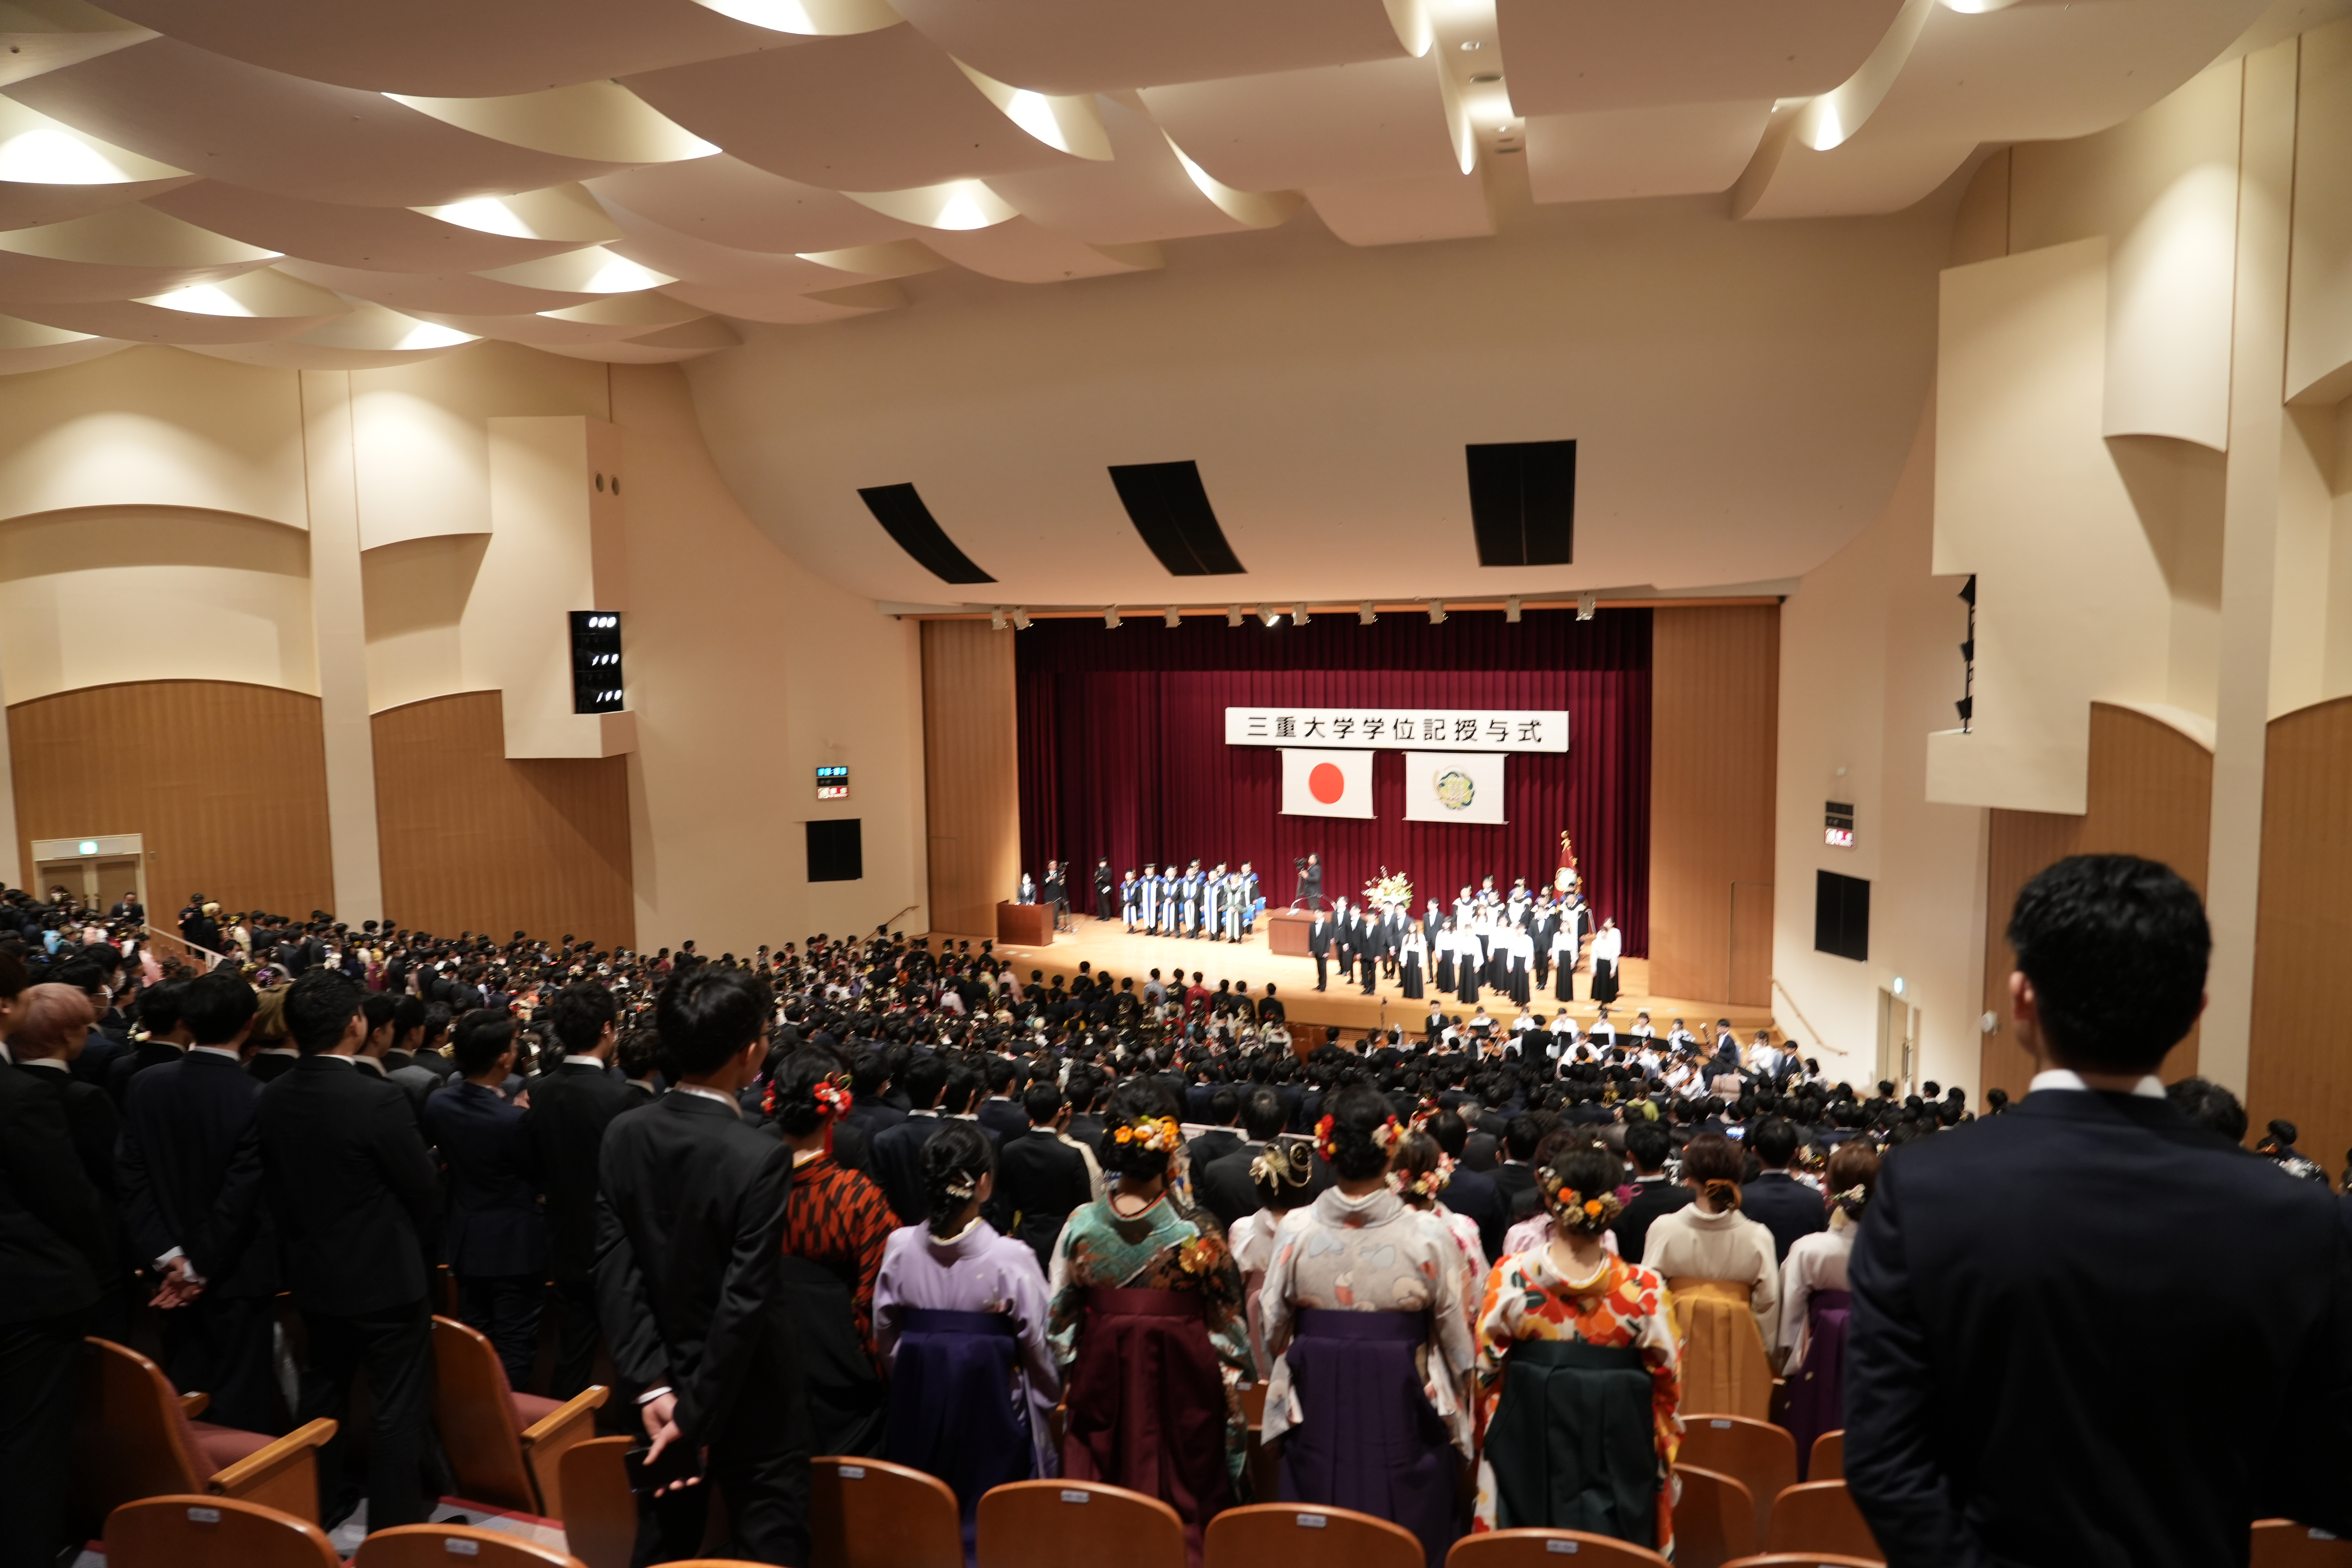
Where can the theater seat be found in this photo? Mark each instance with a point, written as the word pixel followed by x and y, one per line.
pixel 1804 1560
pixel 1758 1455
pixel 600 1511
pixel 134 1439
pixel 1820 1516
pixel 505 1448
pixel 1548 1549
pixel 190 1532
pixel 1297 1535
pixel 869 1513
pixel 1827 1462
pixel 1715 1518
pixel 2283 1543
pixel 1076 1524
pixel 440 1545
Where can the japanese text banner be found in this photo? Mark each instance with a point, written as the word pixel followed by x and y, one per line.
pixel 1419 728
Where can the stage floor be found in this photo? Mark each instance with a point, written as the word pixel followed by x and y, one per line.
pixel 1106 946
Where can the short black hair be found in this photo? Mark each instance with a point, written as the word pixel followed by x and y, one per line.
pixel 1225 1104
pixel 707 1014
pixel 2116 947
pixel 479 1039
pixel 1774 1140
pixel 580 1013
pixel 1263 1115
pixel 159 1006
pixel 1450 1133
pixel 215 1006
pixel 319 1007
pixel 381 1008
pixel 1649 1143
pixel 923 1080
pixel 2210 1106
pixel 1042 1101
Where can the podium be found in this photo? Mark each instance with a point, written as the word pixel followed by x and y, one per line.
pixel 1286 932
pixel 1024 925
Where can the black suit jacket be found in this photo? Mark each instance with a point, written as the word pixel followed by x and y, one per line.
pixel 689 1262
pixel 1517 1182
pixel 1001 1120
pixel 1225 1185
pixel 1474 1196
pixel 1785 1207
pixel 268 1069
pixel 895 1161
pixel 140 1056
pixel 351 1185
pixel 1039 1180
pixel 2089 1332
pixel 190 1172
pixel 50 1221
pixel 1212 1146
pixel 494 1226
pixel 1650 1200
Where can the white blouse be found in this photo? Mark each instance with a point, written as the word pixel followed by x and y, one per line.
pixel 1692 1243
pixel 1816 1262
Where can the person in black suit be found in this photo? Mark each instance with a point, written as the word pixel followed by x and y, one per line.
pixel 495 1241
pixel 354 1193
pixel 1774 1199
pixel 1223 1108
pixel 869 1112
pixel 572 1104
pixel 1648 1144
pixel 190 1169
pixel 1000 1114
pixel 1224 1184
pixel 895 1158
pixel 1310 884
pixel 1318 942
pixel 690 1274
pixel 1514 1175
pixel 50 1224
pixel 51 1028
pixel 2022 1385
pixel 159 1014
pixel 1039 1178
pixel 1471 1194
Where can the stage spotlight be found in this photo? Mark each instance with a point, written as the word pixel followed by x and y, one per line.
pixel 1968 650
pixel 1968 590
pixel 996 619
pixel 1586 604
pixel 1020 620
pixel 1366 614
pixel 1268 614
pixel 1299 616
pixel 1110 619
pixel 1968 709
pixel 1511 609
pixel 1436 612
pixel 1172 617
pixel 1232 614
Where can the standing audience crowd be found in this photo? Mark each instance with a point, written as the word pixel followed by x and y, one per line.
pixel 870 1199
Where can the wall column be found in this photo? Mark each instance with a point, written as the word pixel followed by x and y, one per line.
pixel 2250 531
pixel 12 872
pixel 338 615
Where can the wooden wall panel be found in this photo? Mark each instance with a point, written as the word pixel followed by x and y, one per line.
pixel 473 841
pixel 1715 685
pixel 2301 1065
pixel 2151 794
pixel 972 775
pixel 227 782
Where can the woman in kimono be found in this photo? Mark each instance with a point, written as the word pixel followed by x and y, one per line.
pixel 837 1224
pixel 1282 1176
pixel 1579 1375
pixel 1367 1317
pixel 1148 1329
pixel 959 1315
pixel 1413 957
pixel 1815 1302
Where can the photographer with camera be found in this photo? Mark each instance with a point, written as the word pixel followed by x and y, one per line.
pixel 1311 882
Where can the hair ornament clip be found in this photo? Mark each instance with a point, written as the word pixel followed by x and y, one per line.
pixel 832 1099
pixel 1160 1135
pixel 1428 1183
pixel 962 1191
pixel 1327 1143
pixel 1388 1135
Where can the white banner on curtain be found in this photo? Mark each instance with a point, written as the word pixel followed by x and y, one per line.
pixel 1454 786
pixel 1399 729
pixel 1326 783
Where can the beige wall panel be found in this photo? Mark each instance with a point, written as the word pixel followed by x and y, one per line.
pixel 1714 725
pixel 153 426
pixel 2301 1063
pixel 2319 311
pixel 473 841
pixel 107 594
pixel 415 594
pixel 972 775
pixel 2151 795
pixel 226 782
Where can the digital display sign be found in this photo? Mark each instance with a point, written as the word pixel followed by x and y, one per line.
pixel 833 783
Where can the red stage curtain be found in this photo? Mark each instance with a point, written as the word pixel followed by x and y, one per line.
pixel 1123 752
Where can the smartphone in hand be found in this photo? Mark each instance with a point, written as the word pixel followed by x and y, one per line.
pixel 679 1462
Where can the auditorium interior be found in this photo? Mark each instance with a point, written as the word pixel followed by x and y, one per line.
pixel 731 471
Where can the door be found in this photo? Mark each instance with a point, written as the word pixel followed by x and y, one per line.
pixel 1898 1034
pixel 1749 983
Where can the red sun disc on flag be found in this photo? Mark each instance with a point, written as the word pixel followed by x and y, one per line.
pixel 1326 783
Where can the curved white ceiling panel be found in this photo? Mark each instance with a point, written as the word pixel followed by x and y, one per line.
pixel 1142 193
pixel 127 253
pixel 1450 205
pixel 383 239
pixel 1683 149
pixel 1093 45
pixel 1285 130
pixel 728 202
pixel 1572 56
pixel 257 306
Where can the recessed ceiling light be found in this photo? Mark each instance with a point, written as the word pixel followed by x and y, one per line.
pixel 1487 76
pixel 1471 44
pixel 1508 147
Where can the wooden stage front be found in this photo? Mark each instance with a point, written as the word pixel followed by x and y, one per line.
pixel 1106 946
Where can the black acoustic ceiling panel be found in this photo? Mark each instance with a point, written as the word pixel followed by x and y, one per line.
pixel 1170 508
pixel 1523 503
pixel 905 517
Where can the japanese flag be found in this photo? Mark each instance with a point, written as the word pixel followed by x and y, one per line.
pixel 1326 783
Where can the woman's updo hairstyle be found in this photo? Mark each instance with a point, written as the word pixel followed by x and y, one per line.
pixel 1283 1174
pixel 1357 1133
pixel 1853 1176
pixel 1580 1189
pixel 954 1161
pixel 1139 1109
pixel 1711 1161
pixel 794 1094
pixel 1420 1170
pixel 2283 1135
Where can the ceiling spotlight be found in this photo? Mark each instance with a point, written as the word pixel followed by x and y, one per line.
pixel 1470 43
pixel 996 619
pixel 1968 590
pixel 1020 620
pixel 1487 76
pixel 1585 605
pixel 1110 619
pixel 1967 708
pixel 1436 612
pixel 1232 614
pixel 1511 609
pixel 1366 614
pixel 1172 617
pixel 1268 614
pixel 1299 616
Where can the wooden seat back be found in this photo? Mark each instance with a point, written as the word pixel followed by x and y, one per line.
pixel 1804 1560
pixel 1827 1462
pixel 2283 1543
pixel 1715 1518
pixel 1299 1535
pixel 455 1546
pixel 1076 1524
pixel 869 1513
pixel 1548 1549
pixel 476 1419
pixel 1820 1516
pixel 1758 1455
pixel 186 1531
pixel 130 1439
pixel 600 1511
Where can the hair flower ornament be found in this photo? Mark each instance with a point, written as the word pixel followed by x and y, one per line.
pixel 1160 1135
pixel 1428 1183
pixel 1327 1143
pixel 832 1099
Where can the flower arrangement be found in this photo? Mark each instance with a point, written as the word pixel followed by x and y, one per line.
pixel 1597 1208
pixel 1160 1134
pixel 1387 893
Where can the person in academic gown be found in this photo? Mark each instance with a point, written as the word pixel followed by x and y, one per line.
pixel 1130 905
pixel 1104 883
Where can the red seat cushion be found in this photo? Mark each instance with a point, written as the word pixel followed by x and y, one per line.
pixel 529 1409
pixel 222 1446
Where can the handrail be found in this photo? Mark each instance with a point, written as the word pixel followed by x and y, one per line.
pixel 1820 1042
pixel 151 934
